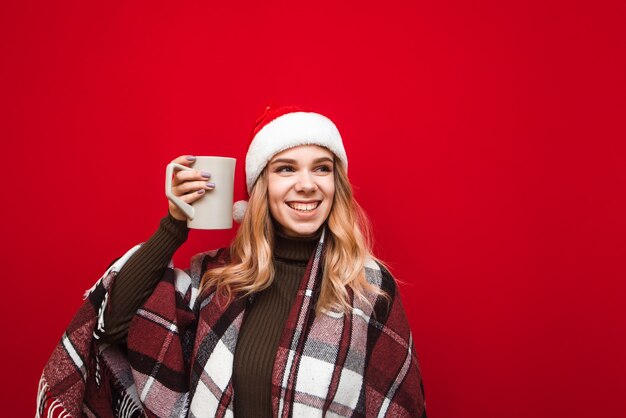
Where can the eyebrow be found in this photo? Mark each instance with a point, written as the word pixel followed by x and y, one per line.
pixel 292 161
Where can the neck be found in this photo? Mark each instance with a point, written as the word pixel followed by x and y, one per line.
pixel 288 248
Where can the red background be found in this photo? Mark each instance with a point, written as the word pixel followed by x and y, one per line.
pixel 486 141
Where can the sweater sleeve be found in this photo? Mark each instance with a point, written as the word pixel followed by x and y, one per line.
pixel 139 276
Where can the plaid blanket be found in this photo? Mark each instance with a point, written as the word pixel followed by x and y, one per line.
pixel 180 349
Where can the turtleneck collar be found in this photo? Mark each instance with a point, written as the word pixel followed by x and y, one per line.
pixel 295 249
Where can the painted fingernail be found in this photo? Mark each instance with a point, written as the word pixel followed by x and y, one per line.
pixel 209 184
pixel 201 191
pixel 191 158
pixel 205 174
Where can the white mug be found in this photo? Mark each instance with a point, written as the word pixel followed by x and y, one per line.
pixel 215 209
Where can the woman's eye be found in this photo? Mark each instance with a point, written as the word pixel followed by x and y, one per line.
pixel 325 168
pixel 284 169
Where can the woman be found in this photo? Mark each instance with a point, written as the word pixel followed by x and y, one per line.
pixel 296 318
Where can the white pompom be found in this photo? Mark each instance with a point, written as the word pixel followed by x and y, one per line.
pixel 239 210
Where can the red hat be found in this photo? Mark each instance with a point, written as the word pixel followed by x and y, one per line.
pixel 281 128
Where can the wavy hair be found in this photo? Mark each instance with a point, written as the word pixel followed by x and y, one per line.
pixel 348 247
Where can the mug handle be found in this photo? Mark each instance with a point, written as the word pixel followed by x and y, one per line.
pixel 180 204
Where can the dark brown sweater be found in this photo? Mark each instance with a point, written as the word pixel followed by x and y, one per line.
pixel 264 319
pixel 139 276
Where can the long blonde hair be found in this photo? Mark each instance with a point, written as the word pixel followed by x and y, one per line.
pixel 348 248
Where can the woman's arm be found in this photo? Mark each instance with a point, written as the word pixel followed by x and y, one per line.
pixel 137 279
pixel 141 273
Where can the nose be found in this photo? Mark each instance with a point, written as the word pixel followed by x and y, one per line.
pixel 306 183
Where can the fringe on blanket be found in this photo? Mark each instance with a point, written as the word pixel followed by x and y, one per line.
pixel 54 410
pixel 125 405
pixel 127 408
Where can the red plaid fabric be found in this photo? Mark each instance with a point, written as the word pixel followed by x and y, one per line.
pixel 181 348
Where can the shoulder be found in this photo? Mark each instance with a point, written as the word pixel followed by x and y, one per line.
pixel 207 260
pixel 381 303
pixel 378 275
pixel 202 262
pixel 217 256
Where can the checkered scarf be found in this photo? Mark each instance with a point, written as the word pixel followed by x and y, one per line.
pixel 179 356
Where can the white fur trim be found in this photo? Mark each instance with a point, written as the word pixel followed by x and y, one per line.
pixel 239 210
pixel 288 131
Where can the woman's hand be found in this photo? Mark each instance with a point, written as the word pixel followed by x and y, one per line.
pixel 188 185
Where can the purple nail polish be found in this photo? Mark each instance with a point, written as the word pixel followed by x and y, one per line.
pixel 201 191
pixel 209 184
pixel 191 158
pixel 205 174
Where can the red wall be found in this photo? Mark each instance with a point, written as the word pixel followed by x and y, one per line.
pixel 486 141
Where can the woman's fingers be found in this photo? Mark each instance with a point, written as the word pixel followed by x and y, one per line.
pixel 193 196
pixel 195 191
pixel 185 160
pixel 188 185
pixel 192 187
pixel 182 176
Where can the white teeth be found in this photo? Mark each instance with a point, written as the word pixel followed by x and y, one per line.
pixel 304 207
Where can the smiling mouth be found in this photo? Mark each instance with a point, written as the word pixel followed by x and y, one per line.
pixel 303 207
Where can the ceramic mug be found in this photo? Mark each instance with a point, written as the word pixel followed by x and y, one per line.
pixel 215 209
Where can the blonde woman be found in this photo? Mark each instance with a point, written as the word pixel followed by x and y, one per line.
pixel 296 318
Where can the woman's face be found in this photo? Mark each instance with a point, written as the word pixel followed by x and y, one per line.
pixel 301 188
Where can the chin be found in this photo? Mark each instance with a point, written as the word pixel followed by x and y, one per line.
pixel 301 230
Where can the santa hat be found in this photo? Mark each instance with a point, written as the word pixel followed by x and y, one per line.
pixel 278 129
